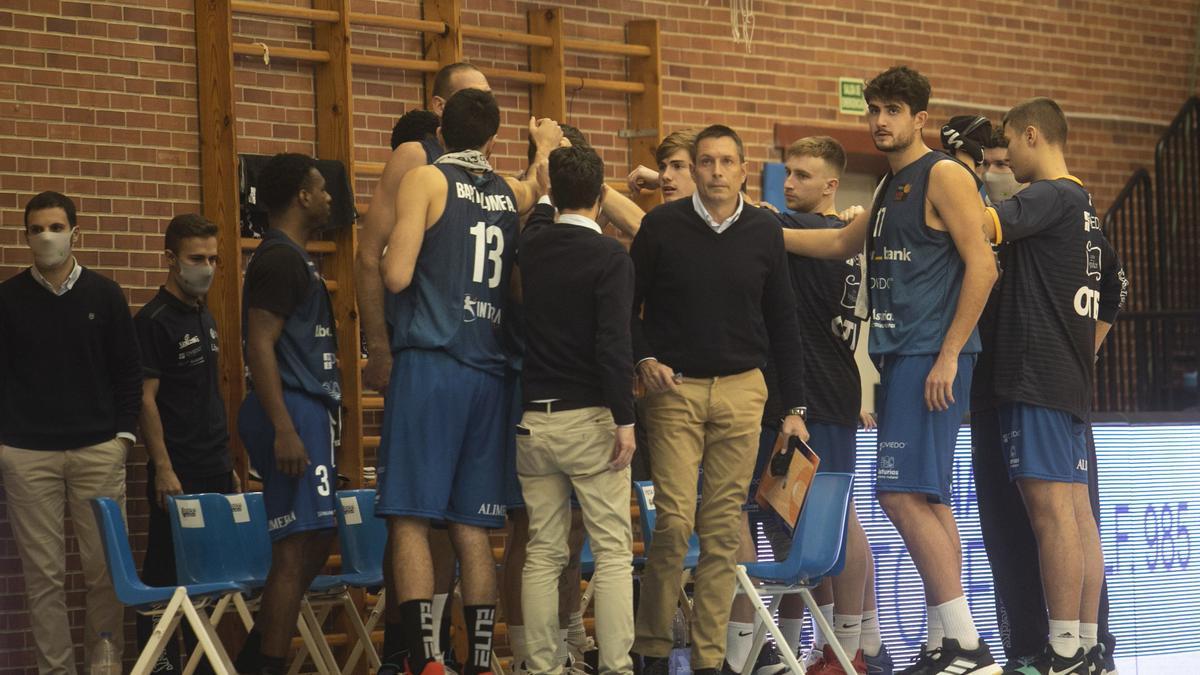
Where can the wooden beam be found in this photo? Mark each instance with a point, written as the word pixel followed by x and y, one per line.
pixel 605 47
pixel 513 75
pixel 605 85
pixel 284 11
pixel 548 99
pixel 314 246
pixel 335 140
pixel 219 199
pixel 394 63
pixel 507 36
pixel 291 53
pixel 383 20
pixel 645 107
pixel 445 48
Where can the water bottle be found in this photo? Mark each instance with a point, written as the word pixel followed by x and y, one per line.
pixel 104 657
pixel 681 657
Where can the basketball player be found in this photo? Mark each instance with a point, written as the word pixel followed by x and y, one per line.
pixel 929 274
pixel 449 260
pixel 287 421
pixel 377 227
pixel 1050 298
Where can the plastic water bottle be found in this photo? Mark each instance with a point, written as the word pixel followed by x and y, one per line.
pixel 104 657
pixel 681 657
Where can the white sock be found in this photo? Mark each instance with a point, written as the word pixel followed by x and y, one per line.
pixel 516 642
pixel 739 637
pixel 1064 637
pixel 934 632
pixel 819 639
pixel 958 624
pixel 563 651
pixel 871 639
pixel 1088 633
pixel 847 628
pixel 791 629
pixel 440 600
pixel 576 633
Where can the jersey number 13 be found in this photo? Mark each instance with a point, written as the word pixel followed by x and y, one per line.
pixel 489 247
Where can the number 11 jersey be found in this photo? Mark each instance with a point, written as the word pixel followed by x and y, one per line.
pixel 460 286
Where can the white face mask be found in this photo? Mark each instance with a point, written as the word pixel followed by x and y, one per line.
pixel 1001 185
pixel 195 280
pixel 50 249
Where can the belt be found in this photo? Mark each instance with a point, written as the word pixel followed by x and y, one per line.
pixel 556 406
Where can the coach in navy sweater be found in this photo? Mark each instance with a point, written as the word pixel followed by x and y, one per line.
pixel 70 394
pixel 712 298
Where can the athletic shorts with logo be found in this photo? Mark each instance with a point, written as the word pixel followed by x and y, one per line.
pixel 915 451
pixel 1043 443
pixel 293 504
pixel 442 450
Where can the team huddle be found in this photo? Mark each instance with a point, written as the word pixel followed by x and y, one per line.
pixel 507 333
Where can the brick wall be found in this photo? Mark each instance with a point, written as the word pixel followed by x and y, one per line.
pixel 98 100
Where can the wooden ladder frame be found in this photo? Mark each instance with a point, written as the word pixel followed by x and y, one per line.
pixel 333 61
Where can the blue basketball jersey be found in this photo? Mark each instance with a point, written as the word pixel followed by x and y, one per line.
pixel 432 148
pixel 459 291
pixel 914 271
pixel 307 349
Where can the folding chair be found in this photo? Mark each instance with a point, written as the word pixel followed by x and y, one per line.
pixel 170 603
pixel 217 537
pixel 818 551
pixel 363 538
pixel 644 490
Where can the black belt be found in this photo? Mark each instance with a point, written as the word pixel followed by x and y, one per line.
pixel 557 406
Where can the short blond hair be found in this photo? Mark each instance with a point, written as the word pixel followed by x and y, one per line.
pixel 821 147
pixel 675 141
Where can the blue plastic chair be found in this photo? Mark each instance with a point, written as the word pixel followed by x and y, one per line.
pixel 817 551
pixel 649 516
pixel 171 603
pixel 363 539
pixel 202 529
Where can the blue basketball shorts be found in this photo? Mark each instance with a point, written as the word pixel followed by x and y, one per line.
pixel 293 504
pixel 915 451
pixel 1043 443
pixel 442 450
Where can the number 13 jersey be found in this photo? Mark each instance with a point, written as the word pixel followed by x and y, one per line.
pixel 460 286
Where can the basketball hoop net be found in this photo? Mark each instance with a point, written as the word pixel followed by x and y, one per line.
pixel 741 17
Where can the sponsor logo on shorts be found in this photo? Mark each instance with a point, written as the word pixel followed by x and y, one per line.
pixel 325 514
pixel 491 510
pixel 893 445
pixel 322 331
pixel 1081 465
pixel 281 522
pixel 887 468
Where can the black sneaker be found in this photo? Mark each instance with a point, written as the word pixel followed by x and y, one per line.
pixel 769 662
pixel 727 668
pixel 952 659
pixel 1099 661
pixel 922 661
pixel 1050 663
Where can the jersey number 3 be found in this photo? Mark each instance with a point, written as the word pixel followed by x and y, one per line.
pixel 489 246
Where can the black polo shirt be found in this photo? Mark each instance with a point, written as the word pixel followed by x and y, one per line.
pixel 179 349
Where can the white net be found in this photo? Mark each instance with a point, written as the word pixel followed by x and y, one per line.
pixel 741 17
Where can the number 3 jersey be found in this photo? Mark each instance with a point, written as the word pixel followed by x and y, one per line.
pixel 459 293
pixel 1056 264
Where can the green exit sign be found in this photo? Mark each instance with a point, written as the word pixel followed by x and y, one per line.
pixel 850 96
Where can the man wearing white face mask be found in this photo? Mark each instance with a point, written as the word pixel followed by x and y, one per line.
pixel 70 393
pixel 183 414
pixel 998 175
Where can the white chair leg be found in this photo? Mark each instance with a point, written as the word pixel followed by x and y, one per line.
pixel 243 611
pixel 207 641
pixel 768 621
pixel 163 630
pixel 362 636
pixel 832 640
pixel 586 598
pixel 323 653
pixel 372 619
pixel 217 613
pixel 309 647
